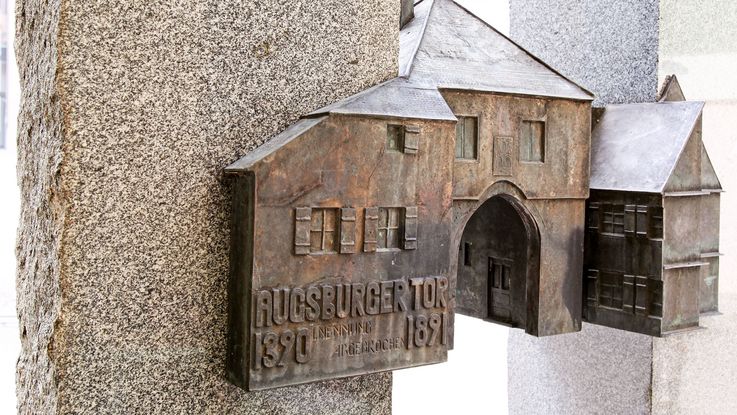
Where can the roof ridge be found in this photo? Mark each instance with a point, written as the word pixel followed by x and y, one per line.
pixel 538 60
pixel 407 71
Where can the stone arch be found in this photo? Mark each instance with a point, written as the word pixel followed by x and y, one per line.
pixel 498 244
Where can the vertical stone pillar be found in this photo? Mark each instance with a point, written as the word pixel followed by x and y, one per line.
pixel 619 49
pixel 130 111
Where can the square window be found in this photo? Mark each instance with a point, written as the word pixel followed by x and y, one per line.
pixel 467 138
pixel 611 288
pixel 395 137
pixel 389 228
pixel 532 143
pixel 612 219
pixel 323 230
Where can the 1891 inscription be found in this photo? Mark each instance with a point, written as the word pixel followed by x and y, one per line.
pixel 346 328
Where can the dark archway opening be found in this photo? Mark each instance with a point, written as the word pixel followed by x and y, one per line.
pixel 499 265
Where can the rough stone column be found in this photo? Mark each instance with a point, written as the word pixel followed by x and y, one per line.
pixel 617 48
pixel 130 109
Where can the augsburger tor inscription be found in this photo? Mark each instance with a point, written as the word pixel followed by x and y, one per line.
pixel 294 327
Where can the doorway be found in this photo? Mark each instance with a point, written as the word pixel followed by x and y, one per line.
pixel 498 264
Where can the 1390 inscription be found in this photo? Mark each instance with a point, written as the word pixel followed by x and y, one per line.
pixel 290 324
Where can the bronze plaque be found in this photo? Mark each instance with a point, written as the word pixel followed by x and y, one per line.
pixel 340 260
pixel 333 329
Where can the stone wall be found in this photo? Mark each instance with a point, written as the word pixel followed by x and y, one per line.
pixel 611 48
pixel 602 370
pixel 130 111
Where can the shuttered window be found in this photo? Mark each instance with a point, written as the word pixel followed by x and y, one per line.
pixel 467 138
pixel 389 229
pixel 323 230
pixel 401 138
pixel 532 141
pixel 612 219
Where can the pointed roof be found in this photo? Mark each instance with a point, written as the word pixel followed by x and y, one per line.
pixel 394 98
pixel 709 180
pixel 448 47
pixel 671 90
pixel 272 145
pixel 635 147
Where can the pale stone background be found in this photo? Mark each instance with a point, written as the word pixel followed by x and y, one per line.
pixel 474 380
pixel 130 112
pixel 606 371
pixel 9 209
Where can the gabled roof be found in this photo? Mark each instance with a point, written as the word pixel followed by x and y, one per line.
pixel 394 98
pixel 709 180
pixel 671 90
pixel 635 147
pixel 448 47
pixel 443 47
pixel 272 145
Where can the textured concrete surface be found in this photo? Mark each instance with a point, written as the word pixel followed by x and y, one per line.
pixel 131 110
pixel 609 47
pixel 694 372
pixel 596 371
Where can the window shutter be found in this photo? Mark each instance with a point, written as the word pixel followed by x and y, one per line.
pixel 593 216
pixel 302 219
pixel 410 228
pixel 348 231
pixel 630 219
pixel 592 281
pixel 370 229
pixel 642 220
pixel 411 139
pixel 628 293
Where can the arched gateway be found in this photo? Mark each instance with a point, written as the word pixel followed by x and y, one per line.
pixel 498 274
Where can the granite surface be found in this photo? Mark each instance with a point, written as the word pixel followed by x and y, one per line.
pixel 609 47
pixel 40 134
pixel 607 371
pixel 131 110
pixel 596 371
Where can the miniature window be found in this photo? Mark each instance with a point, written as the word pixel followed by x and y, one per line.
pixel 612 219
pixel 611 287
pixel 395 137
pixel 532 143
pixel 467 254
pixel 500 275
pixel 389 228
pixel 467 137
pixel 323 226
pixel 655 220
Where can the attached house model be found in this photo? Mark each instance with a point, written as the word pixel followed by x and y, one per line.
pixel 463 186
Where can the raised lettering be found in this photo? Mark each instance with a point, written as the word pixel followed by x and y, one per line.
pixel 297 305
pixel 373 299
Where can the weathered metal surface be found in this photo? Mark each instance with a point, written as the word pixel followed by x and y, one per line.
pixel 459 51
pixel 407 12
pixel 635 147
pixel 551 192
pixel 395 98
pixel 346 265
pixel 462 185
pixel 652 257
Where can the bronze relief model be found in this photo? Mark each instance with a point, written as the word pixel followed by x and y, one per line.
pixel 461 185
